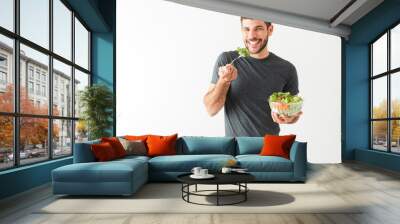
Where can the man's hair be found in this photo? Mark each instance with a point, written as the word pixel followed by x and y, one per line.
pixel 242 18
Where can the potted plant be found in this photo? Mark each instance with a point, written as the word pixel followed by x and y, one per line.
pixel 97 106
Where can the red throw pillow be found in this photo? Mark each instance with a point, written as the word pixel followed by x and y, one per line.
pixel 103 151
pixel 161 145
pixel 116 145
pixel 277 145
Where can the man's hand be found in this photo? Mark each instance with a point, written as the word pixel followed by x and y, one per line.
pixel 282 119
pixel 227 73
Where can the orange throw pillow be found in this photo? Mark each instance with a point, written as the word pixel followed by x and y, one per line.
pixel 135 138
pixel 103 151
pixel 161 145
pixel 116 145
pixel 277 145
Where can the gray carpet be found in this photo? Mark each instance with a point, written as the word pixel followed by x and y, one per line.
pixel 166 198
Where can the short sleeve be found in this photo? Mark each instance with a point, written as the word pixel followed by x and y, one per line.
pixel 292 85
pixel 221 61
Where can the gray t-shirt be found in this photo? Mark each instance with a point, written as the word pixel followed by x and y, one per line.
pixel 247 112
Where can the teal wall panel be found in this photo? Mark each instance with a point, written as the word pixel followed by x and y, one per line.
pixel 355 113
pixel 24 178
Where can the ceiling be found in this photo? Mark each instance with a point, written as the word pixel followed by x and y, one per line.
pixel 326 16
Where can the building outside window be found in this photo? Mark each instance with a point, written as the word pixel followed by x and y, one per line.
pixel 43 77
pixel 3 72
pixel 30 87
pixel 30 72
pixel 3 78
pixel 43 90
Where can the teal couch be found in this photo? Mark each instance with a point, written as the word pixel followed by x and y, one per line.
pixel 125 176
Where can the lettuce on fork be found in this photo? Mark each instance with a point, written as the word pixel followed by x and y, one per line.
pixel 243 52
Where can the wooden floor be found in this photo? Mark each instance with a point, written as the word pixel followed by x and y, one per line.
pixel 377 188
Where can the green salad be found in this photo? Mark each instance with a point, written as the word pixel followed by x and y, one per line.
pixel 284 97
pixel 244 52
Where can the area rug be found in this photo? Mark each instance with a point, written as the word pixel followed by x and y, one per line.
pixel 167 198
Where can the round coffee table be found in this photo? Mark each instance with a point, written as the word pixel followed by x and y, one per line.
pixel 238 179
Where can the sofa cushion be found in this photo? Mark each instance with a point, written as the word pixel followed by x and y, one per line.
pixel 134 147
pixel 185 163
pixel 136 137
pixel 116 145
pixel 257 163
pixel 249 145
pixel 103 151
pixel 132 158
pixel 161 145
pixel 277 145
pixel 111 171
pixel 196 145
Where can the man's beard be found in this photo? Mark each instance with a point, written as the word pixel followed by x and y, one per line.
pixel 263 45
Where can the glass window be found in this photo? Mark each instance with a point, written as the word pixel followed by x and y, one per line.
pixel 395 136
pixel 37 75
pixel 395 47
pixel 81 131
pixel 81 45
pixel 6 142
pixel 6 75
pixel 43 90
pixel 62 137
pixel 379 55
pixel 37 89
pixel 395 95
pixel 34 21
pixel 7 14
pixel 379 97
pixel 34 80
pixel 62 29
pixel 62 75
pixel 81 81
pixel 3 78
pixel 379 135
pixel 3 60
pixel 33 140
pixel 30 87
pixel 39 61
pixel 30 71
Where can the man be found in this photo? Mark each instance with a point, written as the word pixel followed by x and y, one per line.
pixel 243 88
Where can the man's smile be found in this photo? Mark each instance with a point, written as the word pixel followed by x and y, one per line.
pixel 254 44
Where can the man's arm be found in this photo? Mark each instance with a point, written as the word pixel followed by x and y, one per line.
pixel 215 97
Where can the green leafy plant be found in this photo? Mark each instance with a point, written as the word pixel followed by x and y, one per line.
pixel 97 106
pixel 243 52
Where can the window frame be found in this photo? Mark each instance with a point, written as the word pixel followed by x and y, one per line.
pixel 388 73
pixel 15 72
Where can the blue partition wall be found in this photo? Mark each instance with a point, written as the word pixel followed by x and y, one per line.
pixel 355 84
pixel 99 15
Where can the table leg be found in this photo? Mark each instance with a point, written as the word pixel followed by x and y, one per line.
pixel 188 190
pixel 196 188
pixel 217 194
pixel 245 193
